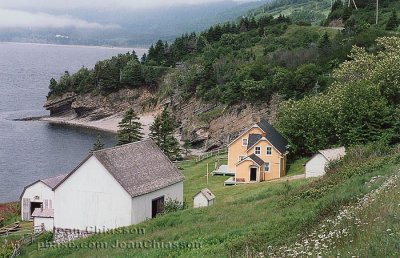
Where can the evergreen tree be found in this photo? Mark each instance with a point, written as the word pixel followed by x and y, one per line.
pixel 162 132
pixel 324 43
pixel 187 146
pixel 338 4
pixel 53 86
pixel 143 59
pixel 99 144
pixel 393 22
pixel 155 131
pixel 132 74
pixel 134 56
pixel 129 128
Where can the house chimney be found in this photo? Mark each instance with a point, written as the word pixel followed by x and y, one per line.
pixel 264 134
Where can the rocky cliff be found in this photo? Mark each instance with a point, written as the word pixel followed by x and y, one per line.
pixel 95 106
pixel 205 125
pixel 211 126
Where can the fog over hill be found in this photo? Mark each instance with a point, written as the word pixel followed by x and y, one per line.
pixel 118 23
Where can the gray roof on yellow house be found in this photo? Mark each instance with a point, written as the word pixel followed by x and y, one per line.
pixel 139 167
pixel 273 136
pixel 257 159
pixel 253 139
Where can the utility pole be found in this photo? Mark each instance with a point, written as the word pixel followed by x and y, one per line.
pixel 377 11
pixel 354 2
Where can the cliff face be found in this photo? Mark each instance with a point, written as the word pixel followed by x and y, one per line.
pixel 205 125
pixel 94 106
pixel 211 126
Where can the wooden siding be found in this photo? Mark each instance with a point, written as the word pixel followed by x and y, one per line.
pixel 236 148
pixel 276 168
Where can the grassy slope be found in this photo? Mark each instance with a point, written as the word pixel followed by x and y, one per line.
pixel 250 218
pixel 9 213
pixel 312 5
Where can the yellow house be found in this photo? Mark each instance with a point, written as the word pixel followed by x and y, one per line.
pixel 258 154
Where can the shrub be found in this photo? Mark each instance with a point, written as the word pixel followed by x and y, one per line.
pixel 172 206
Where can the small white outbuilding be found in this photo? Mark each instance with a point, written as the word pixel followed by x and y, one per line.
pixel 316 166
pixel 39 194
pixel 43 219
pixel 203 198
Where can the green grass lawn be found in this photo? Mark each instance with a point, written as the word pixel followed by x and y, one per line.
pixel 296 167
pixel 246 219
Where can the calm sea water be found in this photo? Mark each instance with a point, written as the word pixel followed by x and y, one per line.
pixel 32 150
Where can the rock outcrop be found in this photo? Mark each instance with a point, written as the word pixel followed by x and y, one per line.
pixel 205 125
pixel 95 106
pixel 212 126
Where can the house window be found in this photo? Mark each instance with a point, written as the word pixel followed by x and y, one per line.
pixel 257 150
pixel 244 142
pixel 241 157
pixel 266 167
pixel 269 150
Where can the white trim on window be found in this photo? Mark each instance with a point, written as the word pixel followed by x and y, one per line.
pixel 267 167
pixel 241 157
pixel 245 142
pixel 269 150
pixel 257 150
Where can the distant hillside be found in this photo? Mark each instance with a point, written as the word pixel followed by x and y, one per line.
pixel 134 27
pixel 311 11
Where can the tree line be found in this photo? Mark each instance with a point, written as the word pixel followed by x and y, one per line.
pixel 162 133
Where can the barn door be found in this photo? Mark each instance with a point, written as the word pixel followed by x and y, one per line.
pixel 157 206
pixel 26 207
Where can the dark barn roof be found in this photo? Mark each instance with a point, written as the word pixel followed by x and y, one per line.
pixel 139 167
pixel 273 136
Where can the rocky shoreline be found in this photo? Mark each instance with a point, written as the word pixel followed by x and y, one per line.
pixel 107 124
pixel 206 126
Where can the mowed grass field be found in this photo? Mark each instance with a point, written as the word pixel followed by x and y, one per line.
pixel 254 219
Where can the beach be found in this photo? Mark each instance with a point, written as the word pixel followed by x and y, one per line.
pixel 108 124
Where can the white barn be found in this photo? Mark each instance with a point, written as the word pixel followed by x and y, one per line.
pixel 116 187
pixel 38 195
pixel 203 198
pixel 316 166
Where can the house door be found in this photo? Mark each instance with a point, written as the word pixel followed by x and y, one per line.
pixel 157 206
pixel 253 174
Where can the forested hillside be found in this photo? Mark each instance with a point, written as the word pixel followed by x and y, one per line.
pixel 251 60
pixel 304 11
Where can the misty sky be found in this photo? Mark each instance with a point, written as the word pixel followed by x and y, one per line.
pixel 55 13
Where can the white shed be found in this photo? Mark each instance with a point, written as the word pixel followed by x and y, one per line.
pixel 203 198
pixel 43 218
pixel 316 166
pixel 116 187
pixel 38 195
